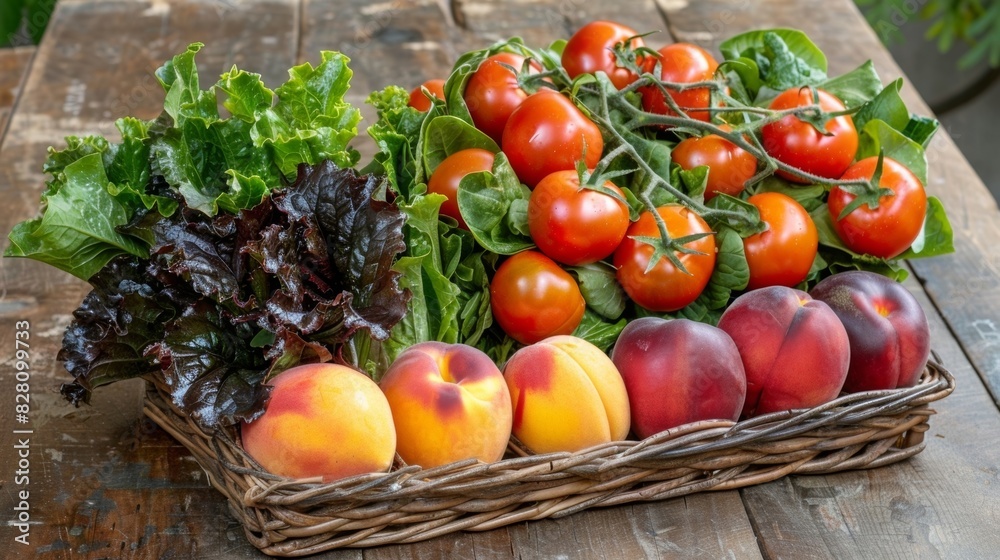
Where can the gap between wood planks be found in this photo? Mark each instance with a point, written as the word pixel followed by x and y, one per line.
pixel 23 77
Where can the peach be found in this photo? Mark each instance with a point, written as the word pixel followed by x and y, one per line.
pixel 567 395
pixel 449 402
pixel 794 348
pixel 678 371
pixel 322 420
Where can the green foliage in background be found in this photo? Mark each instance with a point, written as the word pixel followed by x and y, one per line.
pixel 23 22
pixel 975 22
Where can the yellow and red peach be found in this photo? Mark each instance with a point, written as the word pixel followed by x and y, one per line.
pixel 794 348
pixel 322 420
pixel 567 395
pixel 449 402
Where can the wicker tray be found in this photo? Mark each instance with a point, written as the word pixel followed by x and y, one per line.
pixel 285 517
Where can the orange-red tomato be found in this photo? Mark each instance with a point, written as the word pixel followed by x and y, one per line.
pixel 800 145
pixel 590 49
pixel 572 224
pixel 782 255
pixel 547 133
pixel 682 63
pixel 889 229
pixel 493 93
pixel 450 172
pixel 419 101
pixel 665 287
pixel 533 299
pixel 730 166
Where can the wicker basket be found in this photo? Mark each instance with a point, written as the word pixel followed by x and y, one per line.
pixel 285 517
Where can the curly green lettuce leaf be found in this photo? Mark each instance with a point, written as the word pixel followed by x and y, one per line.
pixel 397 133
pixel 311 122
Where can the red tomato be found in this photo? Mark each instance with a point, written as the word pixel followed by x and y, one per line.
pixel 532 298
pixel 493 93
pixel 574 225
pixel 419 101
pixel 782 255
pixel 547 133
pixel 450 172
pixel 591 49
pixel 730 166
pixel 889 229
pixel 665 287
pixel 800 145
pixel 682 63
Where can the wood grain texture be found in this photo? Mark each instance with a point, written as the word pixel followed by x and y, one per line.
pixel 14 65
pixel 709 525
pixel 942 503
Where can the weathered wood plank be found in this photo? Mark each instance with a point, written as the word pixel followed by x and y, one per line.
pixel 398 42
pixel 541 23
pixel 104 483
pixel 14 65
pixel 707 525
pixel 941 503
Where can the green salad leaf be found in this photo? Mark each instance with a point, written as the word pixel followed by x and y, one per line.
pixel 190 154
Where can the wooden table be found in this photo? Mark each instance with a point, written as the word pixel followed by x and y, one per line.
pixel 105 483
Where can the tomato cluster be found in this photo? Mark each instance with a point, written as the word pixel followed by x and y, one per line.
pixel 663 253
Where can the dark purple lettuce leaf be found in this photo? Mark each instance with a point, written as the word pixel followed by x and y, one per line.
pixel 208 364
pixel 334 261
pixel 118 319
pixel 198 249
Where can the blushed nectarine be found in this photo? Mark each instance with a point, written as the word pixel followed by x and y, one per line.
pixel 567 395
pixel 449 402
pixel 322 420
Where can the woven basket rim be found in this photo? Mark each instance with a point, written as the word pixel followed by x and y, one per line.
pixel 292 517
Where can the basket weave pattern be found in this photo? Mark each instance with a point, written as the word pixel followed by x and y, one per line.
pixel 285 517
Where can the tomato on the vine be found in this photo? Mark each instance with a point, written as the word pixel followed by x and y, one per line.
pixel 548 133
pixel 888 230
pixel 532 298
pixel 682 63
pixel 419 101
pixel 783 254
pixel 493 93
pixel 730 166
pixel 665 287
pixel 450 172
pixel 798 143
pixel 575 225
pixel 591 49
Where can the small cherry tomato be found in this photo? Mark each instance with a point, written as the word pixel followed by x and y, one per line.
pixel 782 255
pixel 419 101
pixel 682 63
pixel 800 145
pixel 665 287
pixel 450 172
pixel 572 224
pixel 889 229
pixel 493 93
pixel 547 133
pixel 532 298
pixel 591 49
pixel 730 166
